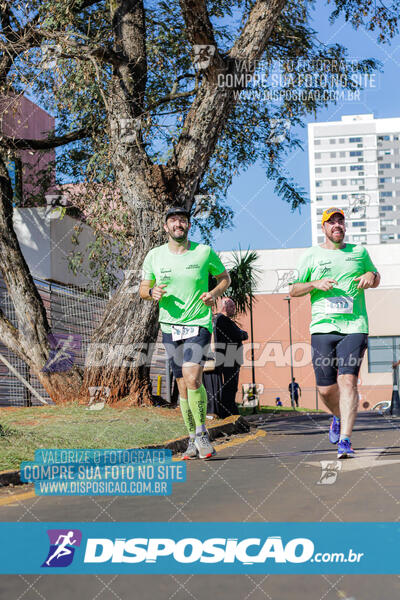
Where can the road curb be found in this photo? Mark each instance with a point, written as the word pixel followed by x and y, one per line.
pixel 231 425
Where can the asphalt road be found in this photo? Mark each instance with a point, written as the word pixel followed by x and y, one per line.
pixel 274 475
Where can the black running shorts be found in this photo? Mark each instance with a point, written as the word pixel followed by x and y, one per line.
pixel 194 349
pixel 336 354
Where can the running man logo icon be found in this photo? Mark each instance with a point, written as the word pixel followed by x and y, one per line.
pixel 62 547
pixel 330 471
pixel 202 55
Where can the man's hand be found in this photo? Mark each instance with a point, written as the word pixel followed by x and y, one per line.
pixel 325 284
pixel 157 291
pixel 365 281
pixel 207 298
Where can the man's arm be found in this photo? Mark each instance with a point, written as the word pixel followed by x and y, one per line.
pixel 157 291
pixel 370 279
pixel 223 282
pixel 301 289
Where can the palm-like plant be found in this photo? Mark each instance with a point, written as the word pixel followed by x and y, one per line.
pixel 244 279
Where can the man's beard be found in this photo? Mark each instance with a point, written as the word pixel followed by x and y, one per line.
pixel 179 237
pixel 335 239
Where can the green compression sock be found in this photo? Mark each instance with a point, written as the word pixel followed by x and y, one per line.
pixel 187 415
pixel 198 405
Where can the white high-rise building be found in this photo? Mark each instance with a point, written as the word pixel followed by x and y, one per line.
pixel 355 165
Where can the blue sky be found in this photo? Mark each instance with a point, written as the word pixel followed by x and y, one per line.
pixel 262 219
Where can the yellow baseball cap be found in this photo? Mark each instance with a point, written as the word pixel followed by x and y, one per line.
pixel 326 215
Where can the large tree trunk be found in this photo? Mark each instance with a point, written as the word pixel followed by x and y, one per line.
pixel 30 340
pixel 120 352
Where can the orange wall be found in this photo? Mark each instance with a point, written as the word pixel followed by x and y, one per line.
pixel 272 356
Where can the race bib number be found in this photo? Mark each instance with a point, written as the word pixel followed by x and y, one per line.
pixel 182 332
pixel 339 305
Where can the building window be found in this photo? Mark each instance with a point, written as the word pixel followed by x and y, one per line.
pixel 318 170
pixel 384 179
pixel 388 236
pixel 386 208
pixel 319 198
pixel 341 140
pixel 360 239
pixel 387 222
pixel 333 169
pixel 334 197
pixel 359 223
pixel 334 182
pixel 356 153
pixel 342 154
pixel 317 155
pixel 383 351
pixel 332 154
pixel 317 142
pixel 319 211
pixel 332 141
pixel 344 196
pixel 355 140
pixel 318 183
pixel 384 138
pixel 385 166
pixel 342 169
pixel 356 167
pixel 385 194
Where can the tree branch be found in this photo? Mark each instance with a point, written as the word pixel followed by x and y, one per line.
pixel 82 4
pixel 9 336
pixel 215 99
pixel 199 31
pixel 128 23
pixel 175 96
pixel 46 143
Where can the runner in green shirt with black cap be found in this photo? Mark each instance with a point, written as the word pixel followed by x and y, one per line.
pixel 176 276
pixel 335 274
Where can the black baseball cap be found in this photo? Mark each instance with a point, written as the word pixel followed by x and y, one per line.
pixel 177 210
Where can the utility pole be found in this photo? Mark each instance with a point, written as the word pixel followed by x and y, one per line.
pixel 291 354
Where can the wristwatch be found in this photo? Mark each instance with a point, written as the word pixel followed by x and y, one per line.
pixel 150 293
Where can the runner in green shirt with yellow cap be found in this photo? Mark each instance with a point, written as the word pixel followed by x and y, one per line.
pixel 176 276
pixel 335 274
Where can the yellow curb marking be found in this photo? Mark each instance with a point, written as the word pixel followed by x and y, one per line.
pixel 15 498
pixel 237 441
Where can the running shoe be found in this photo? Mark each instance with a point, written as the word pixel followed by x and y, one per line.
pixel 191 451
pixel 203 445
pixel 344 449
pixel 334 431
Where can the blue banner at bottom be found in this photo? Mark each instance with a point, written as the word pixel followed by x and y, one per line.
pixel 211 548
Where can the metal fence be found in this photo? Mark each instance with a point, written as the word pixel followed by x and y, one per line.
pixel 69 311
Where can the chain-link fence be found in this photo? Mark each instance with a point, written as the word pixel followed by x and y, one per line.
pixel 69 311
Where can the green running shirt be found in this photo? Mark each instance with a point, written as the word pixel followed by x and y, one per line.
pixel 342 308
pixel 186 276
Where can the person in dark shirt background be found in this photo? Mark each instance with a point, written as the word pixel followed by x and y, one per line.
pixel 296 391
pixel 229 339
